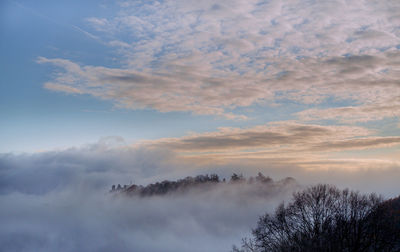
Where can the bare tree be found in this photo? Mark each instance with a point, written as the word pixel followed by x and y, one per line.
pixel 320 218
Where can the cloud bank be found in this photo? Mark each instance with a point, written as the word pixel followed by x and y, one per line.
pixel 286 143
pixel 59 200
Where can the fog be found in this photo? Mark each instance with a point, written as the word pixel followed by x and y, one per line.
pixel 209 218
pixel 60 200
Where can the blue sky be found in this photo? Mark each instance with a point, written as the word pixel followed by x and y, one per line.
pixel 183 74
pixel 36 119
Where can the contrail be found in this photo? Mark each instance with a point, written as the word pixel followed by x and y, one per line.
pixel 74 27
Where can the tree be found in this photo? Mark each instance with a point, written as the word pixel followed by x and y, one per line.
pixel 261 178
pixel 384 226
pixel 237 178
pixel 320 218
pixel 214 178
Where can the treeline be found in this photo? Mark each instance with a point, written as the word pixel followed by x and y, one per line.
pixel 324 218
pixel 184 184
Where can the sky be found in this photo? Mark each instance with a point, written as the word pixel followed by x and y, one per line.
pixel 305 83
pixel 95 93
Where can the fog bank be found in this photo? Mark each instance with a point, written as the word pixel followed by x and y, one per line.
pixel 60 200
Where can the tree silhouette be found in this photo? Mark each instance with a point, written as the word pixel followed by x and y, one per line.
pixel 237 178
pixel 324 218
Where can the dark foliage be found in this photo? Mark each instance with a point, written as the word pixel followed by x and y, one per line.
pixel 166 186
pixel 324 218
pixel 384 225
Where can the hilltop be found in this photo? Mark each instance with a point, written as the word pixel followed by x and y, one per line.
pixel 197 182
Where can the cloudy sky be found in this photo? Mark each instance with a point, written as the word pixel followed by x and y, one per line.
pixel 311 84
pixel 95 93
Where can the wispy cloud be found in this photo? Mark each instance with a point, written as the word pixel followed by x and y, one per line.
pixel 281 143
pixel 351 114
pixel 210 58
pixel 278 136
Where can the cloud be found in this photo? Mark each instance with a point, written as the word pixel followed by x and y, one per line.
pixel 210 58
pixel 279 138
pixel 353 113
pixel 96 166
pixel 359 143
pixel 76 220
pixel 58 200
pixel 287 148
pixel 62 88
pixel 280 145
pixel 162 91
